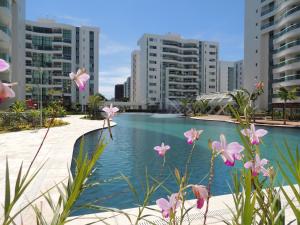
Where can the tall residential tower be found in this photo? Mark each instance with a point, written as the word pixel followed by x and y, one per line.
pixel 272 47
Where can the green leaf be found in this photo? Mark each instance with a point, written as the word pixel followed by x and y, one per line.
pixel 7 190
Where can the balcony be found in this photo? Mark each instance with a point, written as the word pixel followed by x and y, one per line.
pixel 287 62
pixel 290 64
pixel 286 30
pixel 5 12
pixel 287 46
pixel 281 18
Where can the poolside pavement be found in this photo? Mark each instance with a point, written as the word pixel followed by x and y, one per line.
pixel 264 122
pixel 56 153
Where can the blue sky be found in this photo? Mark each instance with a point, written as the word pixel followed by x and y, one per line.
pixel 122 23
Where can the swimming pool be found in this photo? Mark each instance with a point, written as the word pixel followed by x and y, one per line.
pixel 131 152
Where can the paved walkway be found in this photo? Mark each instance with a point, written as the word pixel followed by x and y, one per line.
pixel 223 118
pixel 57 152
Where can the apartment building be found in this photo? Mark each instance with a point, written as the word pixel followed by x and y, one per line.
pixel 230 75
pixel 135 81
pixel 272 37
pixel 119 92
pixel 127 87
pixel 169 68
pixel 53 50
pixel 12 46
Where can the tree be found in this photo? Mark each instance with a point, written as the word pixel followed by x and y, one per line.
pixel 241 98
pixel 203 105
pixel 185 106
pixel 286 95
pixel 94 103
pixel 195 105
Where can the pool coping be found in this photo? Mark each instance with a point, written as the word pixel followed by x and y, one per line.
pixel 236 122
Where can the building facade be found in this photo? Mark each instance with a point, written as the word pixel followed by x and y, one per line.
pixel 12 46
pixel 53 50
pixel 272 49
pixel 230 75
pixel 135 78
pixel 119 92
pixel 168 68
pixel 127 87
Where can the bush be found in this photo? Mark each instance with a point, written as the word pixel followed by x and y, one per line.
pixel 55 109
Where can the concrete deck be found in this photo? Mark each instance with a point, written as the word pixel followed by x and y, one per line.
pixel 264 122
pixel 57 152
pixel 218 212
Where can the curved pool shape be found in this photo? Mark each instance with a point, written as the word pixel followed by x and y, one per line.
pixel 131 152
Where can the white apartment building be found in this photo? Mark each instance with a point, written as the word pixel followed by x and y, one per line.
pixel 127 87
pixel 168 68
pixel 12 46
pixel 272 37
pixel 230 75
pixel 135 82
pixel 53 50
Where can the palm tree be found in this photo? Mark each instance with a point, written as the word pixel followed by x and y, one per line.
pixel 195 105
pixel 241 98
pixel 94 104
pixel 286 95
pixel 184 104
pixel 203 105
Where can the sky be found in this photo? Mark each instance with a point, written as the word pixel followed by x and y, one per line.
pixel 123 22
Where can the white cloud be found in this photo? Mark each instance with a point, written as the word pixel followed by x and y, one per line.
pixel 109 78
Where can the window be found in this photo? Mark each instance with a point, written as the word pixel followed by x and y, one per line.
pixel 153 54
pixel 67 36
pixel 212 67
pixel 152 62
pixel 212 86
pixel 152 84
pixel 153 47
pixel 152 69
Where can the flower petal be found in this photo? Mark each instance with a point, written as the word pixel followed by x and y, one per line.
pixel 261 132
pixel 3 65
pixel 216 145
pixel 248 165
pixel 163 204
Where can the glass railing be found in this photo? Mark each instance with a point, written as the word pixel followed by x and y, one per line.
pixel 287 62
pixel 5 29
pixel 277 95
pixel 287 78
pixel 286 14
pixel 5 56
pixel 266 11
pixel 286 30
pixel 5 3
pixel 286 46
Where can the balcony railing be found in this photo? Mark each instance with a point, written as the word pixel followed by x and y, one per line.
pixel 286 30
pixel 277 95
pixel 287 62
pixel 5 29
pixel 286 14
pixel 287 78
pixel 286 46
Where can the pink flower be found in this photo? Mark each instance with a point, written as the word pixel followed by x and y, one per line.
pixel 229 152
pixel 258 166
pixel 110 111
pixel 6 91
pixel 259 85
pixel 168 207
pixel 201 194
pixel 3 65
pixel 253 134
pixel 80 78
pixel 192 135
pixel 161 150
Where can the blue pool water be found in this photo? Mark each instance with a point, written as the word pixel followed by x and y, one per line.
pixel 131 152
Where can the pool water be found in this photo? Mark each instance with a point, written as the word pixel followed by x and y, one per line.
pixel 131 153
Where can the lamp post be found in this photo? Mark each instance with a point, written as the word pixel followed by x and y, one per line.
pixel 41 95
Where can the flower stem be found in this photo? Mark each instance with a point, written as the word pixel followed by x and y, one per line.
pixel 210 180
